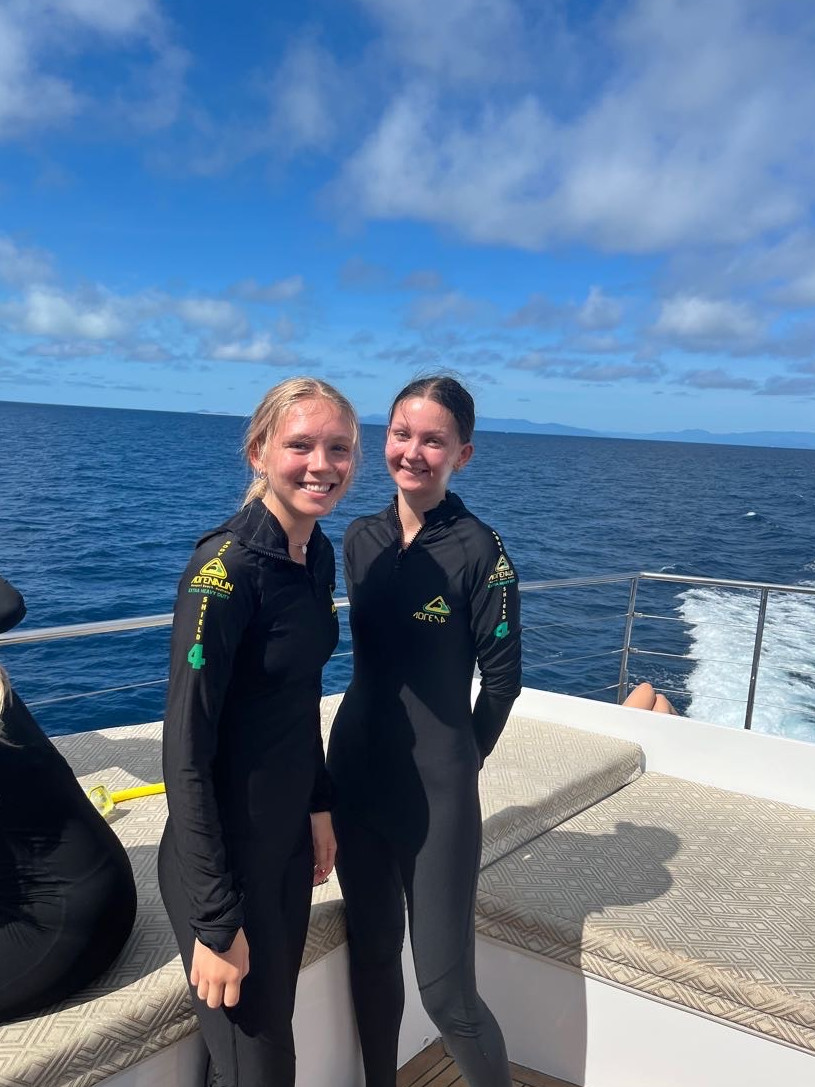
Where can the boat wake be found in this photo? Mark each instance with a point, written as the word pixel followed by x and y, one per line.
pixel 722 632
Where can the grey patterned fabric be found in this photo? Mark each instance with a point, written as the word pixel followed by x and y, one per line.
pixel 141 1004
pixel 540 774
pixel 696 895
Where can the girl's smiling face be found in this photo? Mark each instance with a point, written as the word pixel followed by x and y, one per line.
pixel 423 449
pixel 308 462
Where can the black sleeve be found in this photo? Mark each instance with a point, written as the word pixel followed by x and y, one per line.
pixel 348 560
pixel 322 795
pixel 208 625
pixel 495 610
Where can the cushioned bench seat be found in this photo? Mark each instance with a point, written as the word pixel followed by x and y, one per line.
pixel 540 774
pixel 141 1004
pixel 698 896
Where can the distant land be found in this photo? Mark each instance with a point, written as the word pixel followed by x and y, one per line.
pixel 782 439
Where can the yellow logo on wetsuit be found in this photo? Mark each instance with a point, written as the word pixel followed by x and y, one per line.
pixel 435 611
pixel 212 578
pixel 503 574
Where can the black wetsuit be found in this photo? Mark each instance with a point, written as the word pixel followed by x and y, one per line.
pixel 244 766
pixel 67 895
pixel 404 756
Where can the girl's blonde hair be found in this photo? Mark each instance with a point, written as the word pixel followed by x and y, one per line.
pixel 271 411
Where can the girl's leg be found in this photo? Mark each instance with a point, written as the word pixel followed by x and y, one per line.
pixel 252 1045
pixel 440 893
pixel 644 697
pixel 375 918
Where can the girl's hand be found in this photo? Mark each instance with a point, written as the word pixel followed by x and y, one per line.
pixel 325 845
pixel 216 975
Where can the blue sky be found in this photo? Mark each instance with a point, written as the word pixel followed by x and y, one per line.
pixel 599 213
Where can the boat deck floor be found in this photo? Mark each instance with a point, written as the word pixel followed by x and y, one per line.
pixel 434 1068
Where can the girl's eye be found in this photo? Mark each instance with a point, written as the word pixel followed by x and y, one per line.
pixel 400 435
pixel 298 445
pixel 340 448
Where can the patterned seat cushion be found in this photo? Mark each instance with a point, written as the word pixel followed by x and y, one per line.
pixel 698 896
pixel 141 1004
pixel 540 774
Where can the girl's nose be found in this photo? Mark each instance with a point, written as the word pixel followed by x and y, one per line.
pixel 318 459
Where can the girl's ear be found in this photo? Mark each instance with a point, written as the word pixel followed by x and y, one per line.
pixel 256 458
pixel 465 454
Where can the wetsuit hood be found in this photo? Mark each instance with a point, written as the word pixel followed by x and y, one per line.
pixel 257 529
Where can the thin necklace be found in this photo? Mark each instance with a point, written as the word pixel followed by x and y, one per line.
pixel 303 546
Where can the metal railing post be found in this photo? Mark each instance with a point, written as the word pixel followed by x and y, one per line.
pixel 622 683
pixel 751 693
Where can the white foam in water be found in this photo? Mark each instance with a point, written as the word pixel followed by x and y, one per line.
pixel 722 635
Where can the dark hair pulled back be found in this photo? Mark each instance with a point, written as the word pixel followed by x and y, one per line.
pixel 449 393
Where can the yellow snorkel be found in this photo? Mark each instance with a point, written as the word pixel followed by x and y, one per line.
pixel 105 801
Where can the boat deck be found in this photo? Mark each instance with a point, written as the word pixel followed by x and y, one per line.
pixel 434 1068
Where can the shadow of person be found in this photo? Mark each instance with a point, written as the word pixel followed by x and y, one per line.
pixel 92 753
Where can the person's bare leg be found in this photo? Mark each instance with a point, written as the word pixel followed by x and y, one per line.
pixel 662 705
pixel 643 697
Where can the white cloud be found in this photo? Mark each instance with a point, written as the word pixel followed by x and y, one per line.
pixel 20 267
pixel 39 40
pixel 799 292
pixel 261 348
pixel 540 311
pixel 459 41
pixel 682 140
pixel 715 379
pixel 694 321
pixel 45 311
pixel 66 349
pixel 453 306
pixel 305 99
pixel 544 365
pixel 145 351
pixel 599 312
pixel 281 290
pixel 788 386
pixel 211 313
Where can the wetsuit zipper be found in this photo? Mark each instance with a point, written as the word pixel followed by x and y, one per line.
pixel 288 558
pixel 400 554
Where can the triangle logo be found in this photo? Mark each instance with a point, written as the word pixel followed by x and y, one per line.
pixel 437 606
pixel 214 568
pixel 502 566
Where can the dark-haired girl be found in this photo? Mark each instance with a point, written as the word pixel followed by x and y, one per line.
pixel 432 592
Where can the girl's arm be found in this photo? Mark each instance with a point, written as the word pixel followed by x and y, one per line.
pixel 496 627
pixel 212 612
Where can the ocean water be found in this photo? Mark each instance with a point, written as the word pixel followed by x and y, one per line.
pixel 99 510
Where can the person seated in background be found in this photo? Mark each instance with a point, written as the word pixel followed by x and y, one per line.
pixel 644 697
pixel 67 893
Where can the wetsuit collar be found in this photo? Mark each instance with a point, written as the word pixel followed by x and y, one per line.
pixel 448 509
pixel 257 528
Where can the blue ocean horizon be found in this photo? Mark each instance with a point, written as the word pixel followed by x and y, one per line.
pixel 100 508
